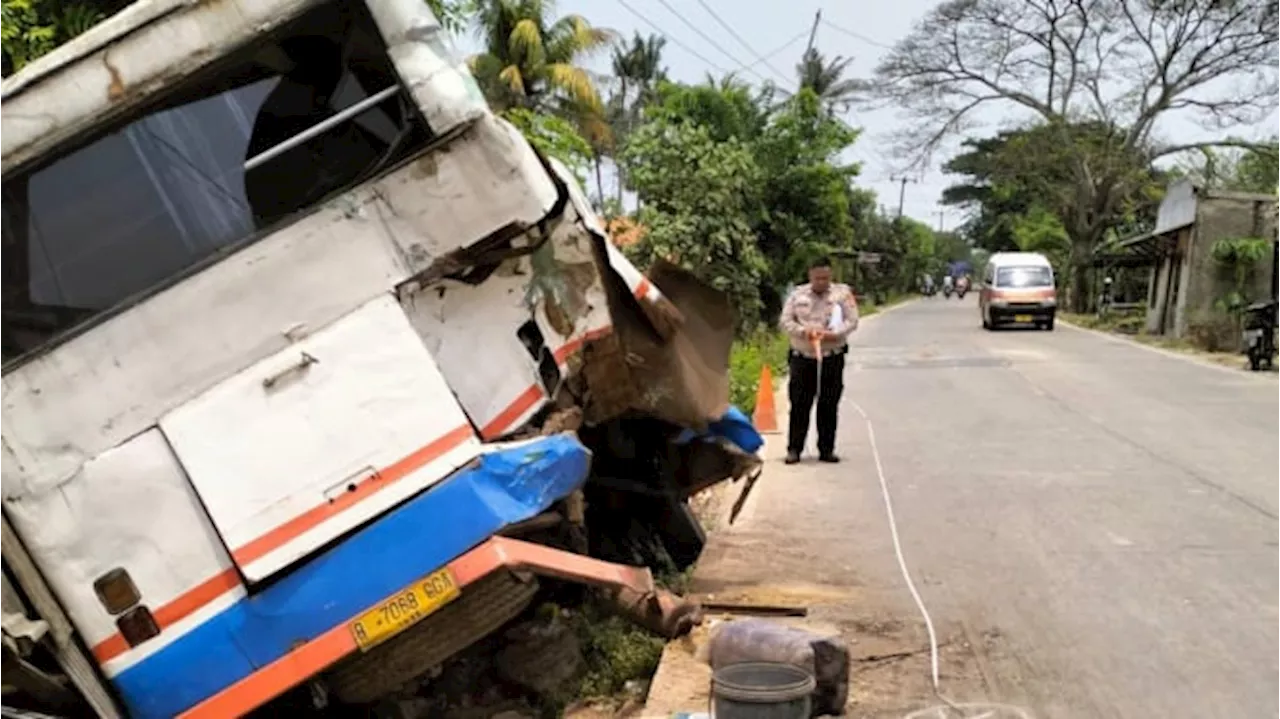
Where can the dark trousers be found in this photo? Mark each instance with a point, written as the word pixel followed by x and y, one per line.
pixel 802 388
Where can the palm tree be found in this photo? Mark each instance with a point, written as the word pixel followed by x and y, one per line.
pixel 529 57
pixel 825 79
pixel 638 67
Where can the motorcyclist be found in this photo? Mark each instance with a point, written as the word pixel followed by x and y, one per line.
pixel 928 284
pixel 948 283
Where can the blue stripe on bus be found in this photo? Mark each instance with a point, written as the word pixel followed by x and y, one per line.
pixel 410 541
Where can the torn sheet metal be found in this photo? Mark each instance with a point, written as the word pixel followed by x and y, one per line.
pixel 680 374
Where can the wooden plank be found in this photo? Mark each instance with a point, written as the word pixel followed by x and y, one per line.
pixel 71 657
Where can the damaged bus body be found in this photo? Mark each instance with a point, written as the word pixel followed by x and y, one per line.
pixel 315 371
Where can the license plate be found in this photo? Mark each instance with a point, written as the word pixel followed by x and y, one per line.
pixel 404 609
pixel 1022 318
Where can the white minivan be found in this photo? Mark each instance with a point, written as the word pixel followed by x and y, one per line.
pixel 1018 288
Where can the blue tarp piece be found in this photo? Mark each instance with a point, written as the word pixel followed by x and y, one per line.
pixel 734 426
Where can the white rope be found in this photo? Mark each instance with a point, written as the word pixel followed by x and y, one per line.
pixel 979 709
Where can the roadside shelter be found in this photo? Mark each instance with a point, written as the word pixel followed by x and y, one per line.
pixel 1186 282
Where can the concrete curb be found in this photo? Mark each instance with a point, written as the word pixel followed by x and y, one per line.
pixel 1241 371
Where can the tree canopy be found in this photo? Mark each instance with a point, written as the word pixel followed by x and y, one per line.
pixel 1095 78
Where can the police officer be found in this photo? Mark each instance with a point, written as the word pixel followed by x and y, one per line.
pixel 825 312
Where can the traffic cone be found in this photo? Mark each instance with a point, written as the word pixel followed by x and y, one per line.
pixel 765 418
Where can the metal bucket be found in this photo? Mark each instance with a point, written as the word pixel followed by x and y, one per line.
pixel 762 690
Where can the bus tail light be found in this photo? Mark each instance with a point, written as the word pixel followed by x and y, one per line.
pixel 137 625
pixel 116 591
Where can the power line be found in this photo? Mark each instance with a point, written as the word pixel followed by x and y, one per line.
pixel 672 38
pixel 729 29
pixel 698 31
pixel 856 35
pixel 780 48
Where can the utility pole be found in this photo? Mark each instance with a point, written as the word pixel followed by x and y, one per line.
pixel 902 191
pixel 941 214
pixel 813 34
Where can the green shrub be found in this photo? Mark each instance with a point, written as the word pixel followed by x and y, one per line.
pixel 748 356
pixel 616 651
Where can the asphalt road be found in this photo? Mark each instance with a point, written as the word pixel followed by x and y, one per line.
pixel 1094 522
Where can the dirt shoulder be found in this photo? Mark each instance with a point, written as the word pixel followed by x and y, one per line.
pixel 771 556
pixel 1127 329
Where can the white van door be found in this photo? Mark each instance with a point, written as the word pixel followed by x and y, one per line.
pixel 321 437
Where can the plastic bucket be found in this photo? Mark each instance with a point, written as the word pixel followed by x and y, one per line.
pixel 762 690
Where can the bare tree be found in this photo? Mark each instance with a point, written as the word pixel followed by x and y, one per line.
pixel 1129 64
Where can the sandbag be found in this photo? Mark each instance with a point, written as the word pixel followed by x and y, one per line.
pixel 759 640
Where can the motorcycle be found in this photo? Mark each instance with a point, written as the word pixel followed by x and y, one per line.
pixel 1259 334
pixel 962 286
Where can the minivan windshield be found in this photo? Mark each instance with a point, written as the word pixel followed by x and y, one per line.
pixel 1017 277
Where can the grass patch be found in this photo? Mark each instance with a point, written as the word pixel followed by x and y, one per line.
pixel 747 357
pixel 1132 324
pixel 616 652
pixel 868 306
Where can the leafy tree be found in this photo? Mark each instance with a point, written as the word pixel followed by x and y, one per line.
pixel 826 79
pixel 555 137
pixel 31 28
pixel 1125 64
pixel 454 15
pixel 1019 186
pixel 729 110
pixel 805 195
pixel 1250 170
pixel 707 231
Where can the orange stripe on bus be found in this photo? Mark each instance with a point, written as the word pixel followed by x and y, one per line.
pixel 313 517
pixel 575 344
pixel 527 399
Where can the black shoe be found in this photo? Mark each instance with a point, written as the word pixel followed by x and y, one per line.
pixel 792 458
pixel 829 458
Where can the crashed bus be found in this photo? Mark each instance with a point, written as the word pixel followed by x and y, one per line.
pixel 315 371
